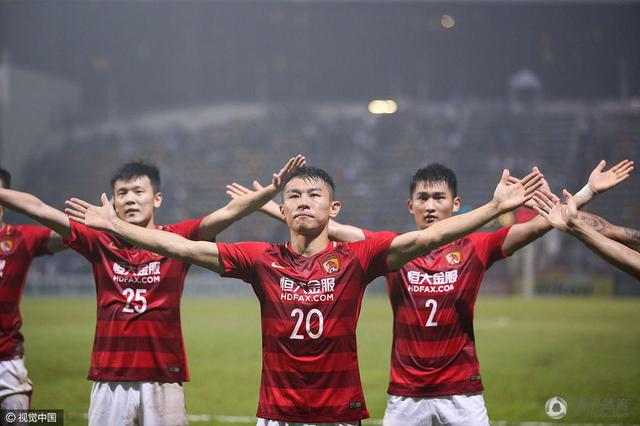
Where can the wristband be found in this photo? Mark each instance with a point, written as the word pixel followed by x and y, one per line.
pixel 586 193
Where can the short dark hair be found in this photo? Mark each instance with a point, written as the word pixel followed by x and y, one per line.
pixel 136 169
pixel 432 173
pixel 312 173
pixel 5 178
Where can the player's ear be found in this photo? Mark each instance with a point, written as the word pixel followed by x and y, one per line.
pixel 410 205
pixel 456 204
pixel 157 199
pixel 282 216
pixel 335 209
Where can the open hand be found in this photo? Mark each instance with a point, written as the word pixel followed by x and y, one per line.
pixel 235 190
pixel 560 215
pixel 512 192
pixel 530 204
pixel 96 217
pixel 600 180
pixel 279 178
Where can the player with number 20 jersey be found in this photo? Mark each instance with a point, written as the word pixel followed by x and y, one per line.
pixel 310 308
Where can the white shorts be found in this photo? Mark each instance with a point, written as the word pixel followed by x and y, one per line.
pixel 265 422
pixel 451 410
pixel 15 386
pixel 137 403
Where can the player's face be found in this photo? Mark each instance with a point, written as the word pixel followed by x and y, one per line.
pixel 432 202
pixel 308 205
pixel 135 200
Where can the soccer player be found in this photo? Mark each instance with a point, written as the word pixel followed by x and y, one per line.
pixel 19 244
pixel 138 362
pixel 310 289
pixel 615 244
pixel 435 373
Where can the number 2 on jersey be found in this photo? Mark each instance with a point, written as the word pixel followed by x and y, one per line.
pixel 433 305
pixel 135 296
pixel 300 314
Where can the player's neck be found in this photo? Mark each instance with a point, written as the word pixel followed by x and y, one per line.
pixel 150 224
pixel 309 245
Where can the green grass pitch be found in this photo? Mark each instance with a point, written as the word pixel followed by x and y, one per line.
pixel 586 351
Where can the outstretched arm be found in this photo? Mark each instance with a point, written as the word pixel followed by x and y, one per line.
pixel 599 181
pixel 32 206
pixel 564 216
pixel 627 236
pixel 270 208
pixel 246 203
pixel 508 195
pixel 104 218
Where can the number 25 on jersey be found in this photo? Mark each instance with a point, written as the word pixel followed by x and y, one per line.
pixel 136 301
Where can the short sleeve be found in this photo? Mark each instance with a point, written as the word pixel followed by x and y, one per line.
pixel 368 235
pixel 36 239
pixel 372 254
pixel 189 228
pixel 488 245
pixel 239 259
pixel 82 239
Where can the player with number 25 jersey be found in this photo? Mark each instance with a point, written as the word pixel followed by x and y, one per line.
pixel 140 339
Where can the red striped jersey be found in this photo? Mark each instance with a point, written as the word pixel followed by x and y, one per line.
pixel 18 246
pixel 433 298
pixel 309 308
pixel 138 331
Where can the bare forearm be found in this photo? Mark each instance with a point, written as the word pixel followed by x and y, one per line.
pixel 235 210
pixel 344 233
pixel 411 245
pixel 525 233
pixel 455 227
pixel 32 206
pixel 252 201
pixel 168 244
pixel 164 243
pixel 615 253
pixel 272 209
pixel 627 236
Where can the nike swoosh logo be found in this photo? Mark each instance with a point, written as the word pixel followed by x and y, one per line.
pixel 275 265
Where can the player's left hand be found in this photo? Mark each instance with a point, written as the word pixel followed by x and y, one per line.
pixel 600 181
pixel 530 204
pixel 279 178
pixel 235 190
pixel 560 215
pixel 512 192
pixel 96 217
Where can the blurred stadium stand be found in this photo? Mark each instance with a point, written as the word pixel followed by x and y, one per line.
pixel 219 91
pixel 371 157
